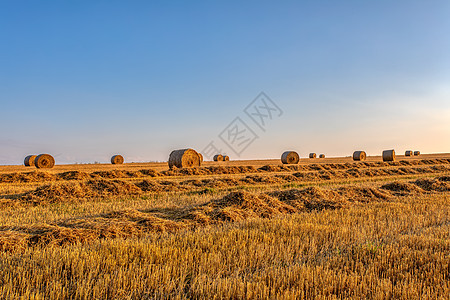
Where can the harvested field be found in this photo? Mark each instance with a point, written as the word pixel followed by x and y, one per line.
pixel 220 150
pixel 235 206
pixel 82 186
pixel 38 176
pixel 163 166
pixel 281 230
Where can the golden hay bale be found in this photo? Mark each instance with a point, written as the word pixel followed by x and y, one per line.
pixel 218 157
pixel 416 153
pixel 44 161
pixel 359 155
pixel 312 155
pixel 201 156
pixel 184 158
pixel 322 156
pixel 226 158
pixel 29 160
pixel 290 157
pixel 117 160
pixel 389 155
pixel 408 153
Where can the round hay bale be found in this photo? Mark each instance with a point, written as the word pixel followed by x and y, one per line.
pixel 416 153
pixel 117 159
pixel 389 155
pixel 201 157
pixel 290 157
pixel 408 153
pixel 312 155
pixel 44 161
pixel 218 157
pixel 29 160
pixel 184 158
pixel 322 156
pixel 359 155
pixel 226 158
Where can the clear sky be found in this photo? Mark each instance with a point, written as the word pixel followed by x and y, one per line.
pixel 83 80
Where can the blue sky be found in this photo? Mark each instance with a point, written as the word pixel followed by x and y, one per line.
pixel 84 80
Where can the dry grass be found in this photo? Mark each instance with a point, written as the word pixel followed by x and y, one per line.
pixel 38 176
pixel 38 188
pixel 368 230
pixel 383 250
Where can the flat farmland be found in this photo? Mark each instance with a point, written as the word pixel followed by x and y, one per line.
pixel 323 228
pixel 162 166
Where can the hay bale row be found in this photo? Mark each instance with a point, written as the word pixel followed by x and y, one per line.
pixel 41 161
pixel 412 153
pixel 389 155
pixel 117 159
pixel 220 157
pixel 184 158
pixel 188 158
pixel 359 155
pixel 290 157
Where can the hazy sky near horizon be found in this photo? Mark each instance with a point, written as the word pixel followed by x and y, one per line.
pixel 84 80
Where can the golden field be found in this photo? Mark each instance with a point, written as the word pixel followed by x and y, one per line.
pixel 325 228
